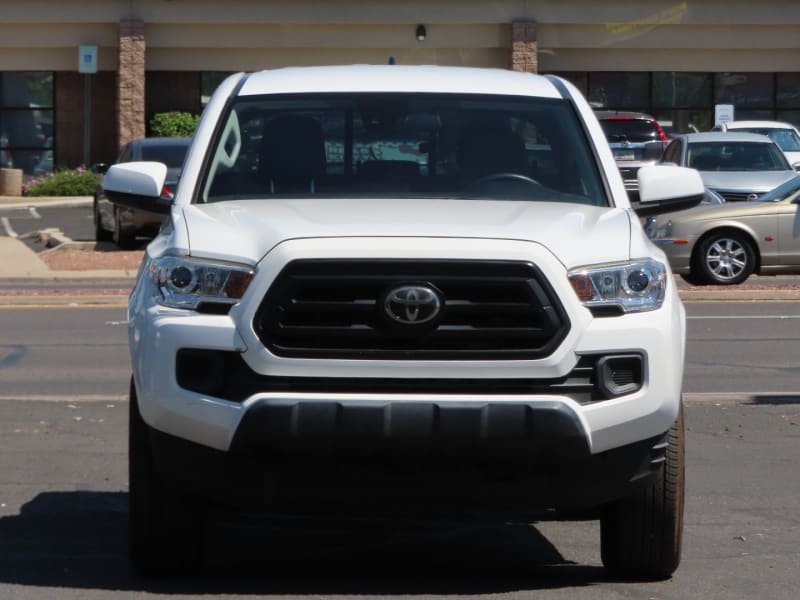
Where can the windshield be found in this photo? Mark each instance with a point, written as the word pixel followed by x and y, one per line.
pixel 401 145
pixel 735 156
pixel 787 139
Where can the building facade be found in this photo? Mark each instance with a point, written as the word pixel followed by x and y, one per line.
pixel 674 59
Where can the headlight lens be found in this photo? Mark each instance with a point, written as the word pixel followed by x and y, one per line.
pixel 186 282
pixel 635 286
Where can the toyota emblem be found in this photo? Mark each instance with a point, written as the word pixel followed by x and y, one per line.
pixel 412 304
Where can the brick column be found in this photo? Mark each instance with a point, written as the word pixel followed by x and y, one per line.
pixel 130 81
pixel 524 48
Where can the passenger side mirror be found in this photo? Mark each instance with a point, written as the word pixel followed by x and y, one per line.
pixel 666 188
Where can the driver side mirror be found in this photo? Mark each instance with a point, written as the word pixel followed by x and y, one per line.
pixel 139 185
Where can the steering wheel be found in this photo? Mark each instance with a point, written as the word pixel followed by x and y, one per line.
pixel 506 176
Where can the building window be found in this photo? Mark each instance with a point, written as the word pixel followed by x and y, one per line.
pixel 26 121
pixel 745 90
pixel 619 90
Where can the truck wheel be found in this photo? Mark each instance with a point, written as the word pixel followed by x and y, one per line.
pixel 165 535
pixel 641 535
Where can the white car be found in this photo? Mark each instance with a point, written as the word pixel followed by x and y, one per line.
pixel 785 135
pixel 405 292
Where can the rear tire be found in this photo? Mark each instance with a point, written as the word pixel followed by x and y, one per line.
pixel 165 528
pixel 641 535
pixel 125 239
pixel 100 234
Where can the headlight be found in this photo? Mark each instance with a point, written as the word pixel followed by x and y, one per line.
pixel 187 282
pixel 635 286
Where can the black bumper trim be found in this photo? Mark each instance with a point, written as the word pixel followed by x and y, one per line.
pixel 309 427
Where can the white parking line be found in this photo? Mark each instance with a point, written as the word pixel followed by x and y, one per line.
pixel 7 226
pixel 66 398
pixel 738 317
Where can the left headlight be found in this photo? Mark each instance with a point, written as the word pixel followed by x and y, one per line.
pixel 635 286
pixel 185 282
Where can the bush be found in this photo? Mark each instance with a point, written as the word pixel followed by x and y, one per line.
pixel 64 182
pixel 173 124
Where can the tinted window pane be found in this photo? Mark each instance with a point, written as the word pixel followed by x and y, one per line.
pixel 32 162
pixel 620 90
pixel 681 90
pixel 744 90
pixel 27 128
pixel 26 89
pixel 675 122
pixel 787 92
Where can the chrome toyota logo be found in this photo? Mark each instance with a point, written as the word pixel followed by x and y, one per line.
pixel 412 304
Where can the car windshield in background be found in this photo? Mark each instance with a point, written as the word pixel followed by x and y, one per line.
pixel 433 145
pixel 172 156
pixel 735 156
pixel 787 139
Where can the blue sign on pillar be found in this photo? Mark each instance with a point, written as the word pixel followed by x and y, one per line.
pixel 87 59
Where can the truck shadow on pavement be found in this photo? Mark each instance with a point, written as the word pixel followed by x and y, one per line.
pixel 79 540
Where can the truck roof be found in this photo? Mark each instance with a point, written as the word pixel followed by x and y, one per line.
pixel 396 78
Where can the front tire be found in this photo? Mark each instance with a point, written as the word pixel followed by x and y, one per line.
pixel 641 535
pixel 725 258
pixel 165 528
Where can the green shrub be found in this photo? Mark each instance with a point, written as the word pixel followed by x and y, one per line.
pixel 64 182
pixel 173 124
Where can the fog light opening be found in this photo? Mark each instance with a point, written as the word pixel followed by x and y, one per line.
pixel 620 375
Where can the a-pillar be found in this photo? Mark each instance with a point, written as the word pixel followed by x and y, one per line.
pixel 524 48
pixel 130 85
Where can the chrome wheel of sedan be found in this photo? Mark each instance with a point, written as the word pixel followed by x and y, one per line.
pixel 725 258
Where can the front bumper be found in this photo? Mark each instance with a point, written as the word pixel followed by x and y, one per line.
pixel 158 335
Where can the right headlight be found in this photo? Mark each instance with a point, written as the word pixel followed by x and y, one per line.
pixel 634 286
pixel 185 282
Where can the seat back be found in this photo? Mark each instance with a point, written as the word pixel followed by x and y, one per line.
pixel 292 154
pixel 484 150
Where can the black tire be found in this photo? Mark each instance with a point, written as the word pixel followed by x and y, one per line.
pixel 165 528
pixel 725 258
pixel 641 535
pixel 125 239
pixel 100 234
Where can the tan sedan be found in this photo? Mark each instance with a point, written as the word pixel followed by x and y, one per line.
pixel 723 244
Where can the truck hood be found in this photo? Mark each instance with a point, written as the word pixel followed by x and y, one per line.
pixel 246 230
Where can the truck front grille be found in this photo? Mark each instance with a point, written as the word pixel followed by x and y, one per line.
pixel 488 310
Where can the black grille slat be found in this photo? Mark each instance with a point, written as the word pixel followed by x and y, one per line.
pixel 335 308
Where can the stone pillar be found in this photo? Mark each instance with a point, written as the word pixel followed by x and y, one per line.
pixel 130 82
pixel 524 47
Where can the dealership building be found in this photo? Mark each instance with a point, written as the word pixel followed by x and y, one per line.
pixel 78 79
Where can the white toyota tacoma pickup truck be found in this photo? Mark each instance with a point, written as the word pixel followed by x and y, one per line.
pixel 407 292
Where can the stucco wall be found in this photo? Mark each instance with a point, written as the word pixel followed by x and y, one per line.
pixel 702 35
